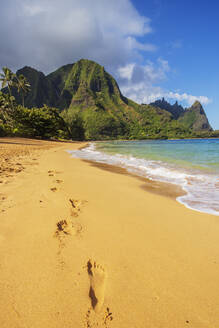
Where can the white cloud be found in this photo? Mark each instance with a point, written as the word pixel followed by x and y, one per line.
pixel 142 93
pixel 46 34
pixel 133 73
pixel 156 72
pixel 190 99
pixel 32 10
pixel 134 44
pixel 140 83
pixel 126 72
pixel 49 33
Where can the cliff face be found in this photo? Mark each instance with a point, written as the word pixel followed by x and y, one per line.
pixel 88 84
pixel 58 80
pixel 42 90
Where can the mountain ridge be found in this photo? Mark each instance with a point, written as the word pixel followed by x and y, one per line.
pixel 193 117
pixel 90 97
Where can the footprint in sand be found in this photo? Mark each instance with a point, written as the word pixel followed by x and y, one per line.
pixel 95 320
pixel 66 227
pixel 53 189
pixel 97 275
pixel 62 227
pixel 2 197
pixel 76 206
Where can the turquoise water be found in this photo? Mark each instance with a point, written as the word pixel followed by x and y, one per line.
pixel 192 164
pixel 202 154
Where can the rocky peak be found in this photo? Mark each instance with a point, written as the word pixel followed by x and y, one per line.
pixel 196 118
pixel 198 107
pixel 176 110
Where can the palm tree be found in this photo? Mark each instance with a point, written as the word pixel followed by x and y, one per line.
pixel 7 78
pixel 7 108
pixel 22 86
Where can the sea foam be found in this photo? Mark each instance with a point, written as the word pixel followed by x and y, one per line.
pixel 202 190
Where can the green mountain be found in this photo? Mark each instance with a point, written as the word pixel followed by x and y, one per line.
pixel 176 110
pixel 195 118
pixel 42 90
pixel 91 103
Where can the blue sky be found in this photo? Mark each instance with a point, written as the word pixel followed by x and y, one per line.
pixel 186 33
pixel 156 48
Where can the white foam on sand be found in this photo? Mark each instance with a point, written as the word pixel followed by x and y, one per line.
pixel 202 190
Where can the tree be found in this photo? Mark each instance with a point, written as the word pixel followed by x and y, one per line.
pixel 22 86
pixel 74 123
pixel 7 78
pixel 7 110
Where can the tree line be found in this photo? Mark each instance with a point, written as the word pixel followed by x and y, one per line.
pixel 11 80
pixel 17 120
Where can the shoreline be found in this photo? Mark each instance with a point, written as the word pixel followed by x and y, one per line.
pixel 83 247
pixel 110 140
pixel 154 186
pixel 157 187
pixel 174 182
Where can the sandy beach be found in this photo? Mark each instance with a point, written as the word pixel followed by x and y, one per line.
pixel 86 247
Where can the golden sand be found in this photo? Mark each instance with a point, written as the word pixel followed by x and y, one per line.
pixel 86 247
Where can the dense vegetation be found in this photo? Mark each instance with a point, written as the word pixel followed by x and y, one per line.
pixel 17 120
pixel 42 122
pixel 82 101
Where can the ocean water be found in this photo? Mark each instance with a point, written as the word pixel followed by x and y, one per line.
pixel 192 164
